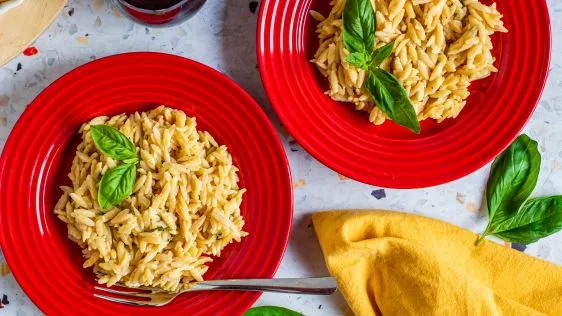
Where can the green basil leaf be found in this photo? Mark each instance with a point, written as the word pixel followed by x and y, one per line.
pixel 392 99
pixel 359 60
pixel 379 93
pixel 536 219
pixel 271 311
pixel 381 54
pixel 512 179
pixel 132 161
pixel 116 185
pixel 112 142
pixel 359 24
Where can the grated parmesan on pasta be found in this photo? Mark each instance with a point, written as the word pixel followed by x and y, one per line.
pixel 184 208
pixel 440 47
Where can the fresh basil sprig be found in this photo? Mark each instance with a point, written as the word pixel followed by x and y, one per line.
pixel 513 178
pixel 359 23
pixel 271 311
pixel 117 183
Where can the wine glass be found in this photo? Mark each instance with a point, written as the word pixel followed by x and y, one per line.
pixel 159 13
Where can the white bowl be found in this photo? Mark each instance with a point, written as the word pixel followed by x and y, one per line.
pixel 10 4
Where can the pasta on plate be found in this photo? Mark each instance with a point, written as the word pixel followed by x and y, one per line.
pixel 440 47
pixel 185 205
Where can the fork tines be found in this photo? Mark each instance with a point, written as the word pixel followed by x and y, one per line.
pixel 131 295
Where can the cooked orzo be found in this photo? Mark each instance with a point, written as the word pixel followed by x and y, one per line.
pixel 440 47
pixel 185 205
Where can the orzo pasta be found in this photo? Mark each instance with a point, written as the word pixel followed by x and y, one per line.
pixel 185 205
pixel 440 47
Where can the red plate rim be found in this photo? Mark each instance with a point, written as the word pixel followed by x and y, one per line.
pixel 29 232
pixel 283 50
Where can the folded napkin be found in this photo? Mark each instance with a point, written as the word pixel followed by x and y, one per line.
pixel 390 263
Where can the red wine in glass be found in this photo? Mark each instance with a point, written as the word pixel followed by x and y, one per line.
pixel 159 12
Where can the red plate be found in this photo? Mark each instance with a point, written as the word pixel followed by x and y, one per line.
pixel 388 155
pixel 48 266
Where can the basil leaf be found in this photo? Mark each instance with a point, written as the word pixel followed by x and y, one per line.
pixel 271 311
pixel 379 93
pixel 112 142
pixel 392 99
pixel 359 24
pixel 116 185
pixel 132 161
pixel 359 60
pixel 512 179
pixel 381 54
pixel 537 218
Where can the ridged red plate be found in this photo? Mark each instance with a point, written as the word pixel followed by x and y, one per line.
pixel 48 265
pixel 388 155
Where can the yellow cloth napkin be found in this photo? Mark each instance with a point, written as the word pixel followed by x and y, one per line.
pixel 390 263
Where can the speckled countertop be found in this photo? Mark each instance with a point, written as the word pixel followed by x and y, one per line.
pixel 222 35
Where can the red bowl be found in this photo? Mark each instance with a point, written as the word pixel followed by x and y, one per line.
pixel 389 155
pixel 37 156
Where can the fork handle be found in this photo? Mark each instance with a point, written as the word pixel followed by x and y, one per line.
pixel 317 286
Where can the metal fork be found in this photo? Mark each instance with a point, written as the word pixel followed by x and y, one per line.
pixel 156 297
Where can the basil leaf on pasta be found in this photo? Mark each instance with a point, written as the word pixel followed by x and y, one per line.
pixel 392 99
pixel 381 54
pixel 116 185
pixel 112 142
pixel 359 26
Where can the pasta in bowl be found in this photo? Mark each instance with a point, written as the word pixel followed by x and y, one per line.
pixel 440 47
pixel 183 208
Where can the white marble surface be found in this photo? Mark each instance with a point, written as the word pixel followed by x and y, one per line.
pixel 222 35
